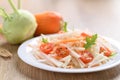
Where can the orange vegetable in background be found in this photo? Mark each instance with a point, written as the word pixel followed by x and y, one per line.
pixel 48 22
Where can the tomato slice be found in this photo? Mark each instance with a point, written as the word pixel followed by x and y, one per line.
pixel 46 47
pixel 86 56
pixel 106 51
pixel 107 54
pixel 62 52
pixel 85 34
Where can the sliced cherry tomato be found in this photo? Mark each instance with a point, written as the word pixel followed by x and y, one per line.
pixel 85 34
pixel 46 47
pixel 102 49
pixel 107 54
pixel 106 51
pixel 86 56
pixel 62 52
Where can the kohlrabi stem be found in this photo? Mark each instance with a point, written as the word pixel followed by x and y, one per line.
pixel 4 14
pixel 19 4
pixel 13 6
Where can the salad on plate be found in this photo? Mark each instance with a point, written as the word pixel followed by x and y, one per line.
pixel 74 49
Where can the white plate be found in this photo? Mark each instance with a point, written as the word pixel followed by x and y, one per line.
pixel 23 53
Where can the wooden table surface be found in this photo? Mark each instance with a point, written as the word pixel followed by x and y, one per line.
pixel 101 16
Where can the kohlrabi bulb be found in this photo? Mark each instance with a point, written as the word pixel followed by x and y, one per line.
pixel 18 26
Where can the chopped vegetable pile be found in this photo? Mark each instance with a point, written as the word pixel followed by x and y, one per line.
pixel 72 50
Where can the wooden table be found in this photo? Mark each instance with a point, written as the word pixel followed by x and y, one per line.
pixel 101 16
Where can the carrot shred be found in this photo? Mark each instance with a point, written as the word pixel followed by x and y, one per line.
pixel 67 40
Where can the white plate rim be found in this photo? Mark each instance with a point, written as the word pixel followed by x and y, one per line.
pixel 42 66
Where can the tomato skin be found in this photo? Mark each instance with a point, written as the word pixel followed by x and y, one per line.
pixel 86 56
pixel 62 52
pixel 46 47
pixel 106 51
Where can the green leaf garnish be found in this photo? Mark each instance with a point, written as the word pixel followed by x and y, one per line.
pixel 90 41
pixel 44 40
